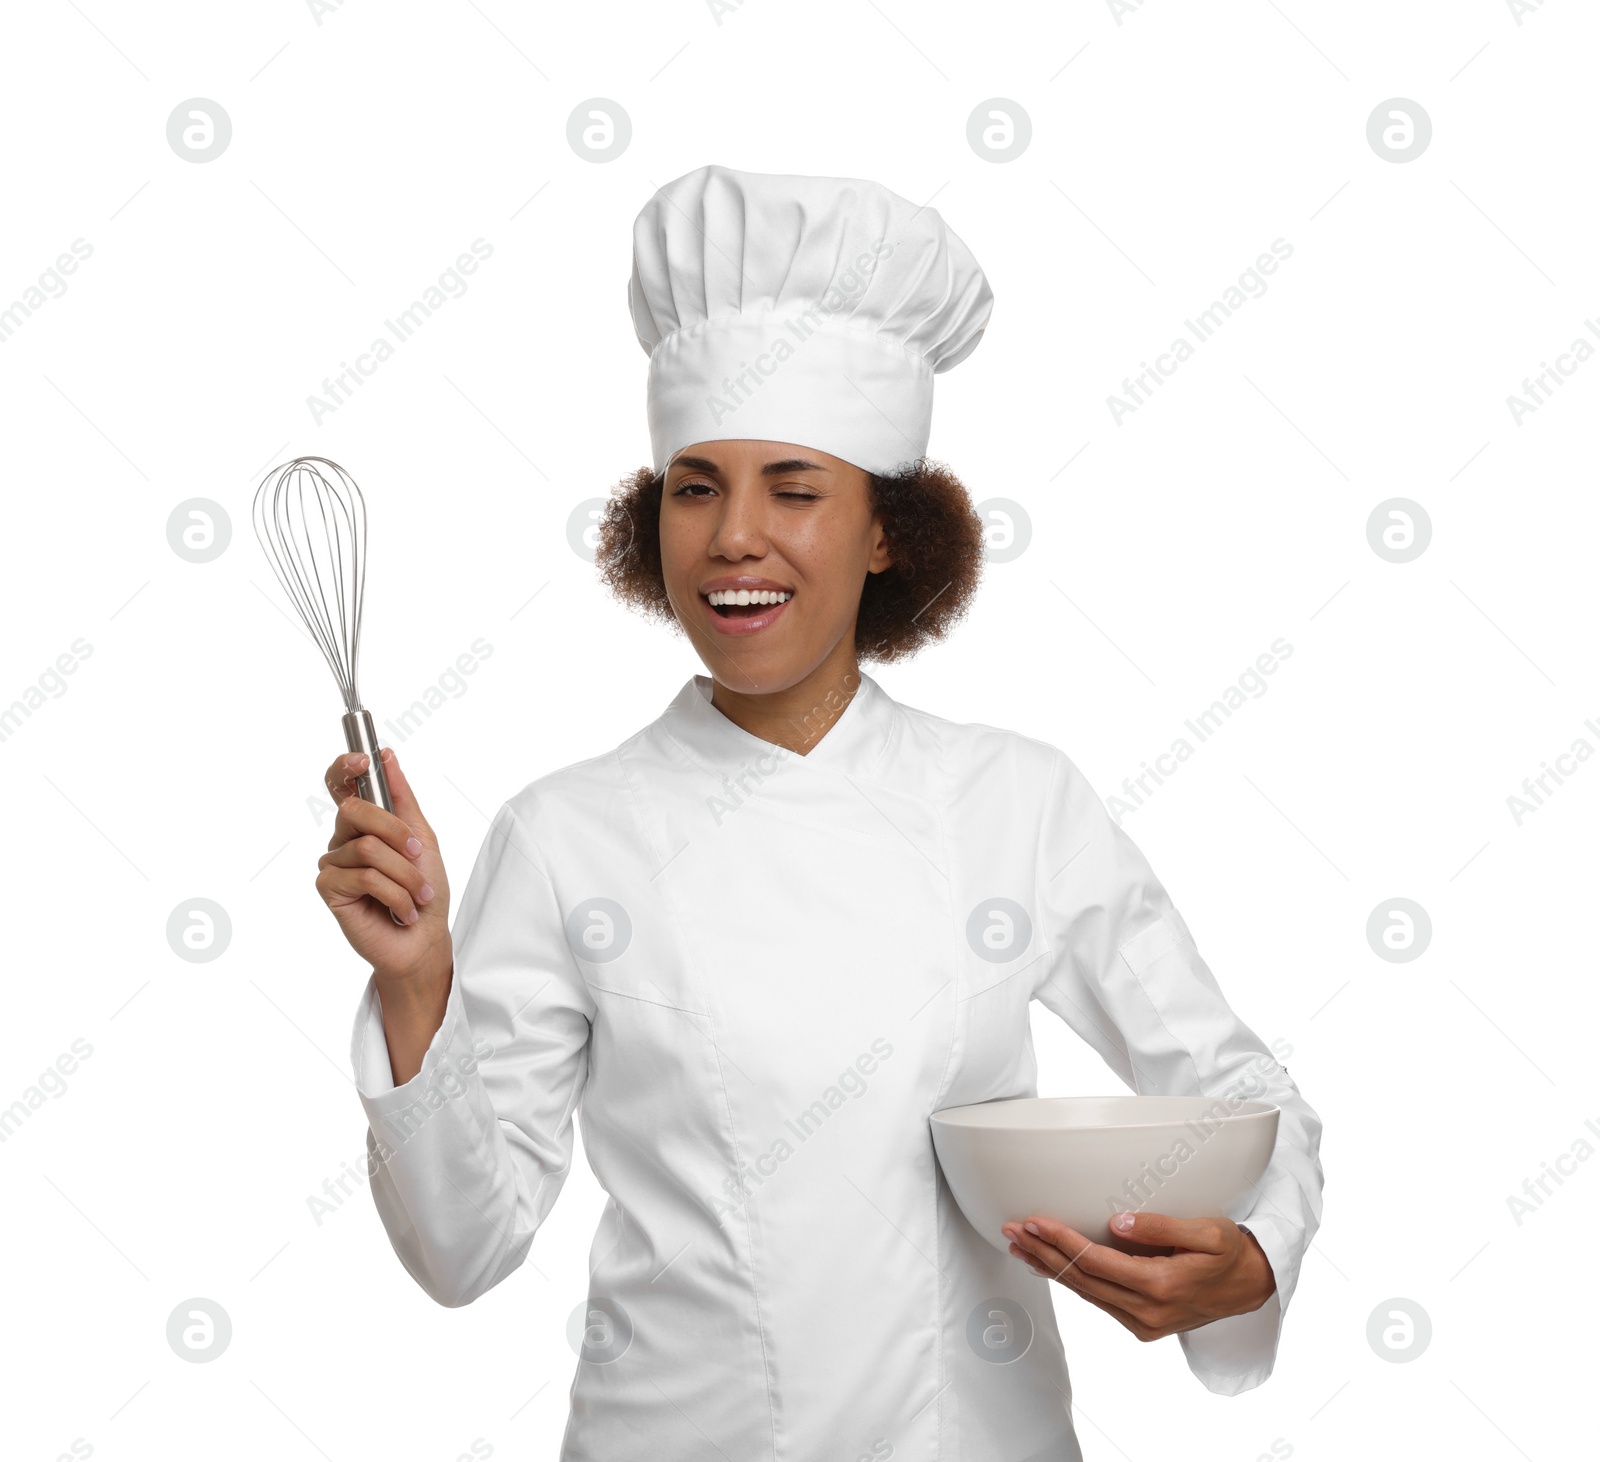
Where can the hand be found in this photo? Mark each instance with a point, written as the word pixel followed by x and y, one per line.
pixel 378 861
pixel 1210 1269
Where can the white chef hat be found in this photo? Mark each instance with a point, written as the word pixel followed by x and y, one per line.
pixel 796 309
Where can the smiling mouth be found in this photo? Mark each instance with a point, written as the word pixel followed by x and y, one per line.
pixel 745 603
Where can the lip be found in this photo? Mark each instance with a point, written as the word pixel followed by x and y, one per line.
pixel 753 624
pixel 750 626
pixel 744 581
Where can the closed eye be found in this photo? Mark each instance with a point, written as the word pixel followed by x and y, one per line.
pixel 698 489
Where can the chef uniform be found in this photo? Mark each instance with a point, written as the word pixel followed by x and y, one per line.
pixel 752 975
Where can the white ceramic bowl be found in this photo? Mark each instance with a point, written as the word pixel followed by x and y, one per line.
pixel 1081 1159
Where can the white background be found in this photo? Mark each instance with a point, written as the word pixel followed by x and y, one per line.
pixel 1168 150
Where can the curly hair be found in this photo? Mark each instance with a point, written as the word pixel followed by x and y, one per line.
pixel 935 540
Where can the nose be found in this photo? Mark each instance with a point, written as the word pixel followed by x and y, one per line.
pixel 741 528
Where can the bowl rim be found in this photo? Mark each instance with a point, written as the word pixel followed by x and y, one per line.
pixel 1251 1107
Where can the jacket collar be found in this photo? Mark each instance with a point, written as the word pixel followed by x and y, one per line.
pixel 854 743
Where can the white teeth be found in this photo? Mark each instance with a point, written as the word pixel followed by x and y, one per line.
pixel 747 596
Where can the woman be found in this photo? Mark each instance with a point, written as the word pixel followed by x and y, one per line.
pixel 770 933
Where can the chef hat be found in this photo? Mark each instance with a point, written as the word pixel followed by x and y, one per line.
pixel 798 309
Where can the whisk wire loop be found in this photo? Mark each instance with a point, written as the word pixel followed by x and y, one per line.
pixel 311 521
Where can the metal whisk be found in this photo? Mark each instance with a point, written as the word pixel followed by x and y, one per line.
pixel 311 521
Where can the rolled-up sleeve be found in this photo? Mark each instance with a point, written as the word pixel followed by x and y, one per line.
pixel 469 1155
pixel 1125 973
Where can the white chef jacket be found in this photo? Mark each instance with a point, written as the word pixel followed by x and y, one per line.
pixel 750 973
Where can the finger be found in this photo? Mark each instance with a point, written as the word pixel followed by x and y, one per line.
pixel 1060 1265
pixel 1198 1235
pixel 1031 1260
pixel 1108 1298
pixel 370 851
pixel 357 816
pixel 1139 1272
pixel 404 799
pixel 340 777
pixel 346 885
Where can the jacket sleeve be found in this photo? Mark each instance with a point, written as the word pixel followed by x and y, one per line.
pixel 1124 972
pixel 469 1155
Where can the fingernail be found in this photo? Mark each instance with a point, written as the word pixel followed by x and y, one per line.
pixel 413 916
pixel 357 762
pixel 386 754
pixel 424 893
pixel 1122 1222
pixel 1033 1229
pixel 414 847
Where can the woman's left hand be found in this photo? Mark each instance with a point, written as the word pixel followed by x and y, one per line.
pixel 1211 1269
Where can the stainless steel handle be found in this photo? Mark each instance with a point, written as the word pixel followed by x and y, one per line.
pixel 361 735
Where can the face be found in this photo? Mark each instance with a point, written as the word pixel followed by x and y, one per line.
pixel 790 525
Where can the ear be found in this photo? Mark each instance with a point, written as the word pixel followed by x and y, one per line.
pixel 881 556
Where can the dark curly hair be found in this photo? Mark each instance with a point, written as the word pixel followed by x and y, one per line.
pixel 935 539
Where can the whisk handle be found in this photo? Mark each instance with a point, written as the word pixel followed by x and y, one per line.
pixel 372 786
pixel 361 735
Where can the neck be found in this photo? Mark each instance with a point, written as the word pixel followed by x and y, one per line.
pixel 800 715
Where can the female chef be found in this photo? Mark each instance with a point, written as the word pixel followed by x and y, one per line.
pixel 757 944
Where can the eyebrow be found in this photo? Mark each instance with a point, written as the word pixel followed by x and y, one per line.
pixel 771 469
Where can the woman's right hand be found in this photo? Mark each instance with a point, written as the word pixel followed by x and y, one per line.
pixel 378 861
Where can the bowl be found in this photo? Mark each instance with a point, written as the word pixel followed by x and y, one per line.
pixel 1080 1159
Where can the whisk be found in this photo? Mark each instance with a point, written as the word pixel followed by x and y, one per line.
pixel 311 521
